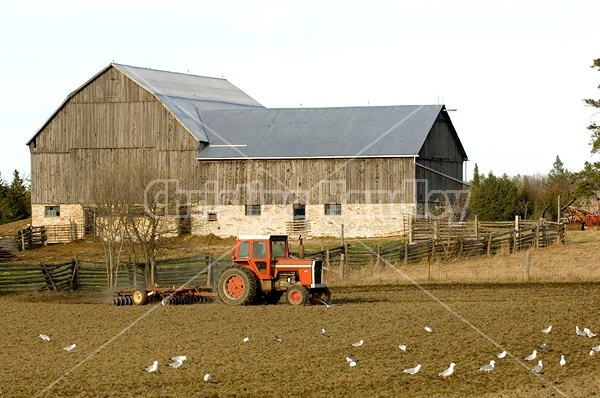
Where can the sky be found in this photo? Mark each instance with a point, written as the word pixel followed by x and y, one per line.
pixel 516 72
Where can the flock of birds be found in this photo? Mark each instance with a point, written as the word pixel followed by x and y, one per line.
pixel 177 361
pixel 489 367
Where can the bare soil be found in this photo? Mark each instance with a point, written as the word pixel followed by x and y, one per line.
pixel 478 307
pixel 472 322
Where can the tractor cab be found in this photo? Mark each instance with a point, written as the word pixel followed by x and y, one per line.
pixel 264 271
pixel 260 253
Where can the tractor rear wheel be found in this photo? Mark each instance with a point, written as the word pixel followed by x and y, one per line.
pixel 297 295
pixel 237 286
pixel 140 297
pixel 319 296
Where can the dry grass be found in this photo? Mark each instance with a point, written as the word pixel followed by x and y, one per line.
pixel 576 261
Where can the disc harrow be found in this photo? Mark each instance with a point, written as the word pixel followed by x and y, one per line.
pixel 176 295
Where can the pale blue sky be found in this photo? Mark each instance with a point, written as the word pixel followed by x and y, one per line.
pixel 516 71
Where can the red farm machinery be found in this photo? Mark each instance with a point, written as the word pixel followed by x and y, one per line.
pixel 262 272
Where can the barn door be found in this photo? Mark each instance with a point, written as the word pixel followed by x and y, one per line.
pixel 185 220
pixel 299 211
pixel 89 221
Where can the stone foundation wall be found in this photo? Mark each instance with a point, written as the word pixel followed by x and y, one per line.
pixel 361 220
pixel 67 225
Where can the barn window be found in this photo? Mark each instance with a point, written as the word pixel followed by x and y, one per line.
pixel 333 209
pixel 299 211
pixel 212 216
pixel 52 211
pixel 253 210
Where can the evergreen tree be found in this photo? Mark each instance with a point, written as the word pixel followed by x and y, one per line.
pixel 526 197
pixel 476 177
pixel 496 199
pixel 588 186
pixel 593 127
pixel 558 185
pixel 5 213
pixel 17 199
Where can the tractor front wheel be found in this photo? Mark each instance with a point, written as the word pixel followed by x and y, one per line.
pixel 237 286
pixel 297 295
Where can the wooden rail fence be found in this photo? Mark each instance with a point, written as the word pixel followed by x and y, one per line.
pixel 448 241
pixel 91 276
pixel 31 237
pixel 445 242
pixel 54 277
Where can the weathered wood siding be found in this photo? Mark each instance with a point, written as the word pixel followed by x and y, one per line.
pixel 368 180
pixel 441 151
pixel 110 123
pixel 113 123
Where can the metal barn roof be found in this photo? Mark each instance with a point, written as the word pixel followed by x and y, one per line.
pixel 230 124
pixel 317 132
pixel 185 95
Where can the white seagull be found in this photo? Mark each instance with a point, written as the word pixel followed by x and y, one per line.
pixel 429 329
pixel 501 354
pixel 351 361
pixel 543 346
pixel 532 356
pixel 547 330
pixel 358 343
pixel 207 377
pixel 245 340
pixel 580 332
pixel 538 368
pixel 592 352
pixel 412 371
pixel 44 336
pixel 589 333
pixel 447 372
pixel 488 367
pixel 402 347
pixel 597 348
pixel 176 364
pixel 279 338
pixel 563 361
pixel 179 358
pixel 70 347
pixel 326 304
pixel 152 368
pixel 324 333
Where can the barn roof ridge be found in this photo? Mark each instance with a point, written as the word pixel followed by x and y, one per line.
pixel 117 64
pixel 336 132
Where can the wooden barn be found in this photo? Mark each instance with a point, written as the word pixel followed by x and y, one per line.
pixel 238 167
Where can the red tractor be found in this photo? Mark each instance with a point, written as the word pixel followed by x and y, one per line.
pixel 264 271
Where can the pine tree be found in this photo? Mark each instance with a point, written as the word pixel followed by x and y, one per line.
pixel 476 177
pixel 17 199
pixel 496 199
pixel 588 186
pixel 593 127
pixel 5 213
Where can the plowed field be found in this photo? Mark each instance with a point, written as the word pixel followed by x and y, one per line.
pixel 472 323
